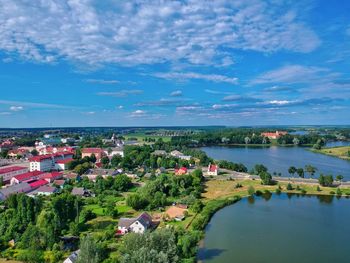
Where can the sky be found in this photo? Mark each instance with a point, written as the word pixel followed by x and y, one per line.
pixel 167 63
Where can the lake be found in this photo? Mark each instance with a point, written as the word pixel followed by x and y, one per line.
pixel 284 229
pixel 279 159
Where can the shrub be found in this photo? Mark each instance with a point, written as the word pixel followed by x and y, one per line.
pixel 289 187
pixel 251 190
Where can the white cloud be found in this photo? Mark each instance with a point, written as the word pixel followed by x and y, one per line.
pixel 16 108
pixel 34 104
pixel 102 81
pixel 147 32
pixel 176 93
pixel 120 107
pixel 191 75
pixel 120 93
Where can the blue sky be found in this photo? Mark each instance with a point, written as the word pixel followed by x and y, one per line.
pixel 131 63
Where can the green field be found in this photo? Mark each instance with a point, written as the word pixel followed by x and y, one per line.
pixel 141 136
pixel 342 152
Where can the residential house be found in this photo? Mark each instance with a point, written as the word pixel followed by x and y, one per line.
pixel 80 191
pixel 63 164
pixel 177 212
pixel 14 189
pixel 8 173
pixel 59 183
pixel 114 151
pixel 176 153
pixel 48 162
pixel 185 157
pixel 50 177
pixel 38 183
pixel 43 190
pixel 137 225
pixel 181 171
pixel 159 153
pixel 213 169
pixel 88 152
pixel 73 257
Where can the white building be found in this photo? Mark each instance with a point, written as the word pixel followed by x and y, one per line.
pixel 213 169
pixel 47 162
pixel 136 225
pixel 115 151
pixel 8 172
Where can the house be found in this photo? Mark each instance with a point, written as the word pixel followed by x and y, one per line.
pixel 80 191
pixel 176 212
pixel 73 257
pixel 14 189
pixel 38 183
pixel 62 164
pixel 8 173
pixel 176 153
pixel 44 190
pixel 59 183
pixel 26 177
pixel 114 151
pixel 160 170
pixel 181 171
pixel 88 152
pixel 185 157
pixel 274 135
pixel 159 153
pixel 18 153
pixel 212 169
pixel 50 177
pixel 137 225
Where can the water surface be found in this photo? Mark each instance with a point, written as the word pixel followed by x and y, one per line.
pixel 282 229
pixel 279 159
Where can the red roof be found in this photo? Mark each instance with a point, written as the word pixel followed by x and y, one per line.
pixel 52 175
pixel 92 150
pixel 38 183
pixel 182 169
pixel 27 176
pixel 59 182
pixel 213 168
pixel 11 169
pixel 64 161
pixel 39 158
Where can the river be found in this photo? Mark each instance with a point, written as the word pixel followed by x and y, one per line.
pixel 284 229
pixel 279 159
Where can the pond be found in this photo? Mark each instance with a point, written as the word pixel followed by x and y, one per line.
pixel 284 228
pixel 279 159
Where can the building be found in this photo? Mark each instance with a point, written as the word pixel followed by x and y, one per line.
pixel 159 153
pixel 44 190
pixel 185 157
pixel 213 169
pixel 51 177
pixel 177 212
pixel 181 171
pixel 14 189
pixel 62 164
pixel 20 152
pixel 114 151
pixel 80 191
pixel 88 152
pixel 176 153
pixel 26 177
pixel 48 162
pixel 73 257
pixel 8 173
pixel 274 135
pixel 137 225
pixel 38 183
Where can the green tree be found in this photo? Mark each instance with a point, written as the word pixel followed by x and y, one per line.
pixel 136 201
pixel 300 172
pixel 310 170
pixel 105 161
pixel 292 170
pixel 251 190
pixel 89 251
pixel 122 183
pixel 266 178
pixel 339 177
pixel 156 246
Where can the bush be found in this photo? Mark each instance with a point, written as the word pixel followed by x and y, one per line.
pixel 289 187
pixel 303 191
pixel 278 191
pixel 332 192
pixel 251 190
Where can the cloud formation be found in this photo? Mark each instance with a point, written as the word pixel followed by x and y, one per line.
pixel 192 75
pixel 16 108
pixel 176 93
pixel 146 32
pixel 120 93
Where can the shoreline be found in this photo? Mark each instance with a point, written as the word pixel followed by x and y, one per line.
pixel 323 151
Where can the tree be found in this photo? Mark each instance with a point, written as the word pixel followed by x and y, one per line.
pixel 310 170
pixel 156 246
pixel 1 181
pixel 292 170
pixel 105 161
pixel 136 201
pixel 197 206
pixel 325 180
pixel 259 168
pixel 116 160
pixel 251 190
pixel 289 187
pixel 34 152
pixel 339 178
pixel 89 252
pixel 266 178
pixel 122 183
pixel 300 172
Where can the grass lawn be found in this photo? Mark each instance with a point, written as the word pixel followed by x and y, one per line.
pixel 216 189
pixel 340 152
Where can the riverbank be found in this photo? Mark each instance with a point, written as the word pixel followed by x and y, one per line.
pixel 341 152
pixel 221 192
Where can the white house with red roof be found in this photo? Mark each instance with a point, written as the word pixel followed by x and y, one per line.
pixel 181 171
pixel 51 177
pixel 62 164
pixel 26 177
pixel 8 172
pixel 48 162
pixel 213 169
